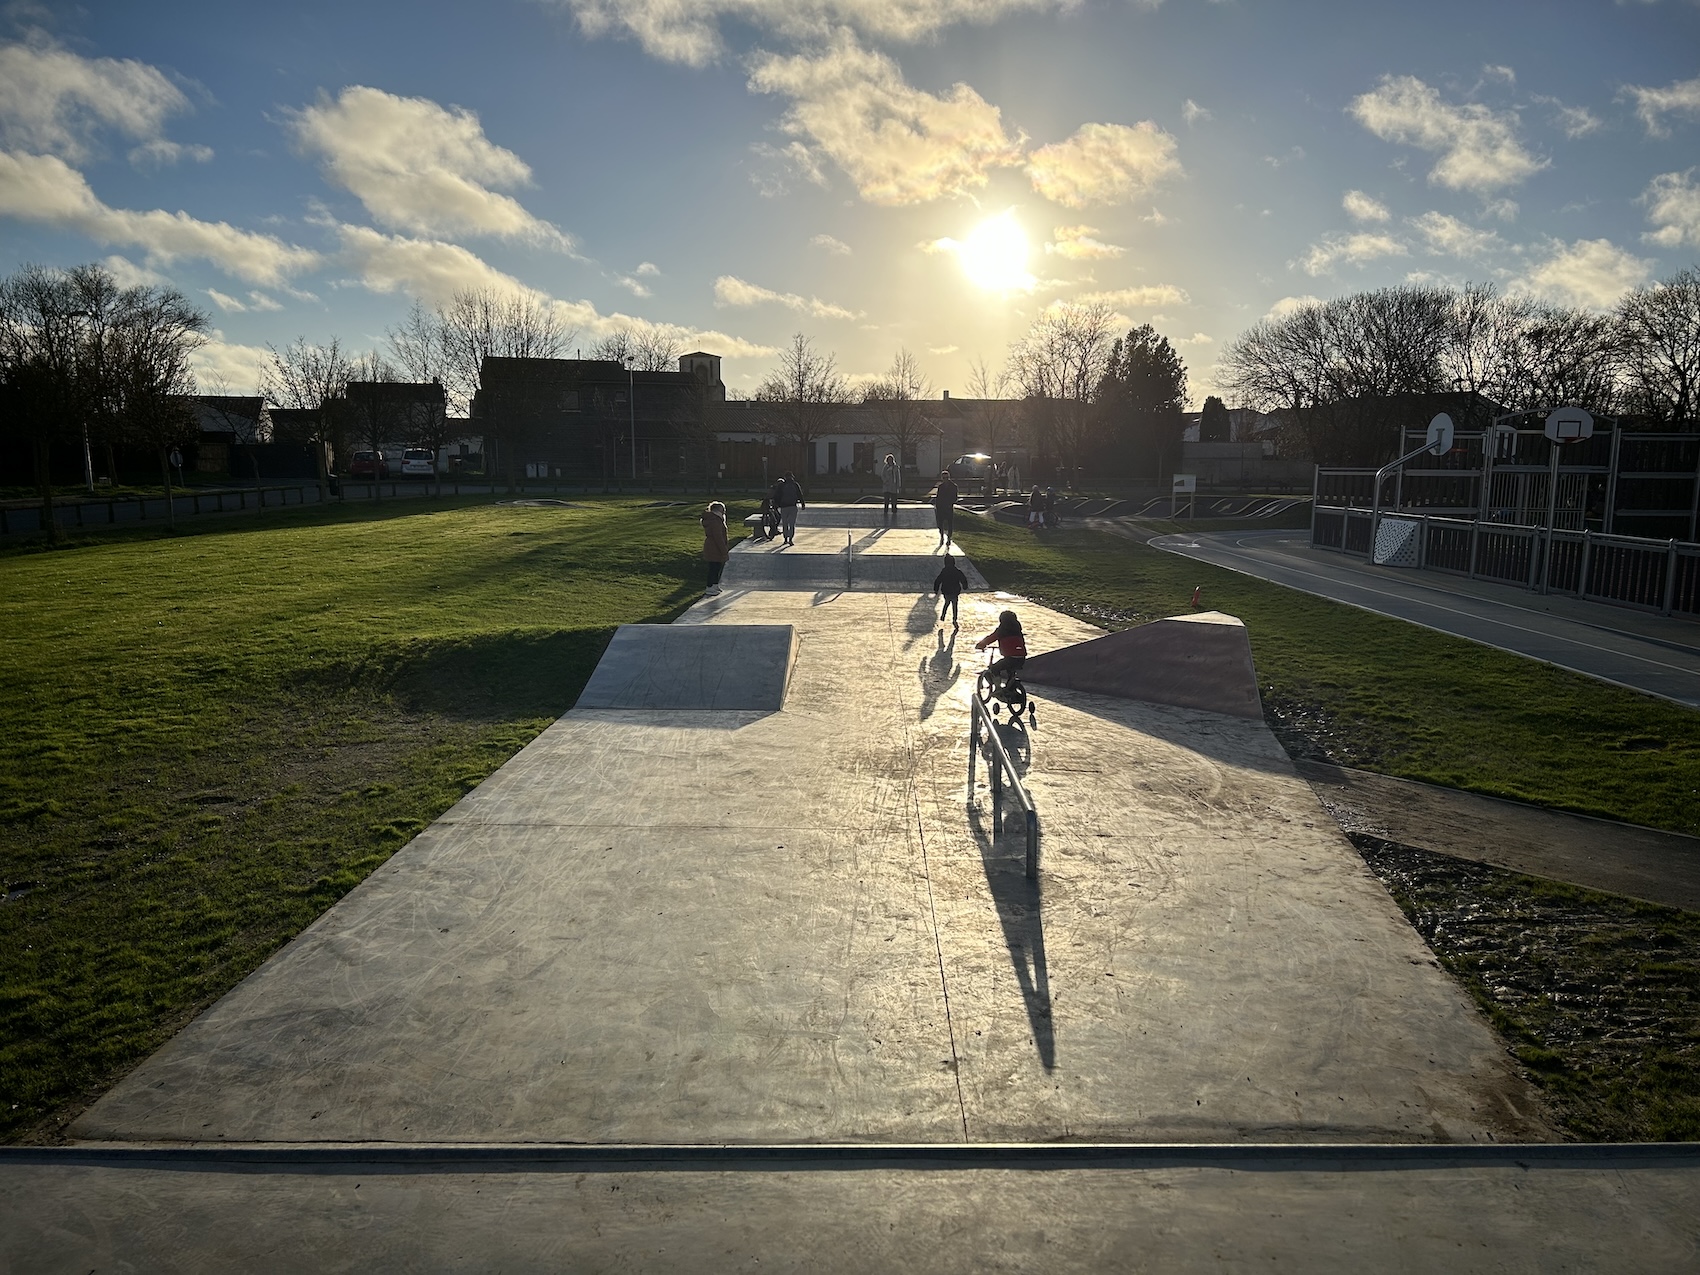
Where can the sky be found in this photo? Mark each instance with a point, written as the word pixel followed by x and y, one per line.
pixel 876 174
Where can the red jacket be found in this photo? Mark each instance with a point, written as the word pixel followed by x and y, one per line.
pixel 1009 644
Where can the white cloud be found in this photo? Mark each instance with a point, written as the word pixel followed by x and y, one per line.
pixel 1193 113
pixel 690 32
pixel 837 247
pixel 428 269
pixel 1197 338
pixel 647 268
pixel 1081 243
pixel 899 145
pixel 1478 149
pixel 1453 238
pixel 1144 298
pixel 1652 105
pixel 942 350
pixel 232 368
pixel 54 102
pixel 1354 249
pixel 1494 71
pixel 1361 207
pixel 160 152
pixel 419 167
pixel 635 286
pixel 1673 206
pixel 227 303
pixel 127 274
pixel 1104 164
pixel 1572 121
pixel 45 189
pixel 1291 305
pixel 729 290
pixel 1592 273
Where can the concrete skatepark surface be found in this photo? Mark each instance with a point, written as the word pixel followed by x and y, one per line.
pixel 756 927
pixel 1191 661
pixel 672 666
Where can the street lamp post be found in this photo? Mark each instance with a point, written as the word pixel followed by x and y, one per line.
pixel 631 409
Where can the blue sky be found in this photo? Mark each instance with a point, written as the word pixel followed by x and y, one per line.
pixel 740 170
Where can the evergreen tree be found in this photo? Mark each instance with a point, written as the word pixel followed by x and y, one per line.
pixel 1214 425
pixel 1140 402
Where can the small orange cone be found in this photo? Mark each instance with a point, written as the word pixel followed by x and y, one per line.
pixel 1196 603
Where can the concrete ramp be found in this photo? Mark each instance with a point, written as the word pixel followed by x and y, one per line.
pixel 1191 661
pixel 724 667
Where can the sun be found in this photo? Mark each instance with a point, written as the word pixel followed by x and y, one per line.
pixel 994 255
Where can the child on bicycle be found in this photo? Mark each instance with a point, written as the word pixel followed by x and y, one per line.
pixel 1012 646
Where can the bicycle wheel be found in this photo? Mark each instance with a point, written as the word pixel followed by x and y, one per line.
pixel 983 689
pixel 1015 695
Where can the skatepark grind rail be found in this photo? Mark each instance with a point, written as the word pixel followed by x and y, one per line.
pixel 999 763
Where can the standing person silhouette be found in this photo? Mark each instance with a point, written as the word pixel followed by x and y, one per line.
pixel 790 493
pixel 891 484
pixel 944 507
pixel 715 550
pixel 949 584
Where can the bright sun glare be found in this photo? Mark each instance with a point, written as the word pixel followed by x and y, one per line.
pixel 994 256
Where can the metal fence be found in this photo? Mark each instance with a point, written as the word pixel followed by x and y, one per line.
pixel 998 765
pixel 1654 575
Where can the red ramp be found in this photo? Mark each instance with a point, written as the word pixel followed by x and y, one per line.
pixel 1193 661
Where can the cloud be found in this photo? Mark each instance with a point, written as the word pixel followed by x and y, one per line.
pixel 837 247
pixel 1652 105
pixel 1144 298
pixel 690 32
pixel 160 152
pixel 729 290
pixel 898 144
pixel 1453 238
pixel 1494 71
pixel 127 274
pixel 428 269
pixel 419 167
pixel 54 102
pixel 1104 164
pixel 232 368
pixel 46 190
pixel 1355 249
pixel 1673 206
pixel 1360 207
pixel 942 350
pixel 1080 243
pixel 1592 273
pixel 635 286
pixel 1572 121
pixel 647 268
pixel 1193 113
pixel 1478 149
pixel 1197 338
pixel 1291 305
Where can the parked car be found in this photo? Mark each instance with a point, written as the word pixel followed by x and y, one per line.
pixel 369 465
pixel 418 462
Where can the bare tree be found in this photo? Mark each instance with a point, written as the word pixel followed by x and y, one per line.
pixel 1057 366
pixel 901 402
pixel 650 348
pixel 801 397
pixel 1659 334
pixel 368 411
pixel 994 410
pixel 218 403
pixel 152 381
pixel 307 378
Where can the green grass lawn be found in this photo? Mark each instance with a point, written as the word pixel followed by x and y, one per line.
pixel 1383 695
pixel 208 738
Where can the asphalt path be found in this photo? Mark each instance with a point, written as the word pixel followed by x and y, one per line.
pixel 1657 655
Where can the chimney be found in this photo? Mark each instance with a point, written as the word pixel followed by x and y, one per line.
pixel 947 393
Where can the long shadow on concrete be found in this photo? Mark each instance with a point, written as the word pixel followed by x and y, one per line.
pixel 938 672
pixel 1019 902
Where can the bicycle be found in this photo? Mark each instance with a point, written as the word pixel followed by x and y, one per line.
pixel 1004 690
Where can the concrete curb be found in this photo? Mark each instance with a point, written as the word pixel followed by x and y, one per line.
pixel 788 1157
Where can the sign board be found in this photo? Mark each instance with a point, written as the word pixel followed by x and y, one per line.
pixel 1504 441
pixel 1440 435
pixel 1569 425
pixel 1185 484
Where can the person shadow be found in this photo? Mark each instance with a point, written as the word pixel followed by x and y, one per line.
pixel 938 673
pixel 999 829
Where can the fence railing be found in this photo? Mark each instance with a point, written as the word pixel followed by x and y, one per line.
pixel 998 765
pixel 1653 575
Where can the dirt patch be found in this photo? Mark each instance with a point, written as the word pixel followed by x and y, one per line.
pixel 1595 995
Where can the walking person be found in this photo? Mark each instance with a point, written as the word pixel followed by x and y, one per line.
pixel 1035 508
pixel 891 484
pixel 770 507
pixel 949 584
pixel 790 493
pixel 715 550
pixel 944 507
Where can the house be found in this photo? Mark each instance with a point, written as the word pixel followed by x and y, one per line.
pixel 596 418
pixel 225 421
pixel 391 415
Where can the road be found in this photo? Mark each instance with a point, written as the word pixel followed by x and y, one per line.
pixel 1657 655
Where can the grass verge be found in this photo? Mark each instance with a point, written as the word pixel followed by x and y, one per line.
pixel 1379 694
pixel 208 738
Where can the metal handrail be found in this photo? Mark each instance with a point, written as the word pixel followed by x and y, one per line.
pixel 1000 763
